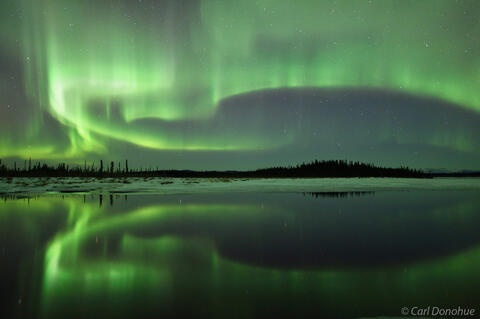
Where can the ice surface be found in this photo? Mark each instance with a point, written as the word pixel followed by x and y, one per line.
pixel 208 185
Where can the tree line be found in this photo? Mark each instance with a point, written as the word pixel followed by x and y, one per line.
pixel 316 168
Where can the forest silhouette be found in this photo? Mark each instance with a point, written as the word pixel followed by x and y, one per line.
pixel 316 168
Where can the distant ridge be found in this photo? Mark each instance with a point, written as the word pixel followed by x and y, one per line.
pixel 456 174
pixel 331 168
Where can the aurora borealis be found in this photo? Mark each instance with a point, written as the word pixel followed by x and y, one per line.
pixel 241 84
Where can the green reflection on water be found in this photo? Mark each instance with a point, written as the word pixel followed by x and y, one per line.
pixel 163 256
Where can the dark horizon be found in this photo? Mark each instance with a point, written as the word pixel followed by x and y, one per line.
pixel 23 165
pixel 315 168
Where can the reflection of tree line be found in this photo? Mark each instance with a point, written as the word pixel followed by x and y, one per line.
pixel 6 197
pixel 338 194
pixel 110 197
pixel 115 197
pixel 332 168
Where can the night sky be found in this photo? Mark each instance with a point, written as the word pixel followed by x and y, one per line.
pixel 241 84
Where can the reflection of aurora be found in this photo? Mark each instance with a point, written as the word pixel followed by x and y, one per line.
pixel 101 72
pixel 169 251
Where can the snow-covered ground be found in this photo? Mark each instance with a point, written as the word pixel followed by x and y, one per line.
pixel 208 185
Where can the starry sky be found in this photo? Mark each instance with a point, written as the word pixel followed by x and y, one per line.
pixel 206 84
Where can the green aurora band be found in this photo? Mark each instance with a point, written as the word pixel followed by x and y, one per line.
pixel 98 68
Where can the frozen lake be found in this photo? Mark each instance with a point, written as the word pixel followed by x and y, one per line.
pixel 204 185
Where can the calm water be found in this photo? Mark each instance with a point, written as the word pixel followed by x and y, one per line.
pixel 239 254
